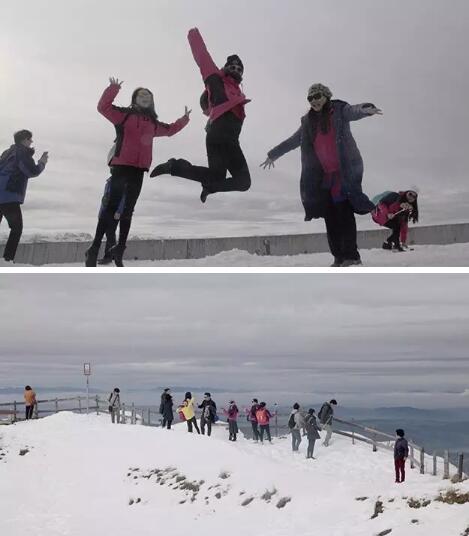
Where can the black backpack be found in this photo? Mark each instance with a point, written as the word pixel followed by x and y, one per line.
pixel 291 421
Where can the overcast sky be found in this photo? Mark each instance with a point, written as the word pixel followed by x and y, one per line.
pixel 409 58
pixel 368 340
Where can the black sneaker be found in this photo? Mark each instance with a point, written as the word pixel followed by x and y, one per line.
pixel 337 263
pixel 91 257
pixel 203 196
pixel 387 246
pixel 163 169
pixel 398 247
pixel 117 253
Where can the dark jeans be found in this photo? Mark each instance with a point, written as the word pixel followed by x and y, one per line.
pixel 310 449
pixel 399 466
pixel 341 231
pixel 233 430
pixel 255 431
pixel 192 422
pixel 204 422
pixel 125 180
pixel 14 218
pixel 295 439
pixel 395 225
pixel 264 428
pixel 167 422
pixel 29 412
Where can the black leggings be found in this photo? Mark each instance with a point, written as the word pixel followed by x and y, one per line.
pixel 125 180
pixel 14 218
pixel 29 412
pixel 395 225
pixel 192 422
pixel 342 231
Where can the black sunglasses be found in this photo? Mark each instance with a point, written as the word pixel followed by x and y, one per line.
pixel 315 96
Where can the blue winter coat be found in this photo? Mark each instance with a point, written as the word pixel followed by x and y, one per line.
pixel 314 194
pixel 17 166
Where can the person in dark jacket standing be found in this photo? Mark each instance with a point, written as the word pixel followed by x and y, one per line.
pixel 326 415
pixel 312 432
pixel 17 166
pixel 168 415
pixel 115 405
pixel 401 453
pixel 136 127
pixel 209 412
pixel 253 419
pixel 166 391
pixel 332 169
pixel 232 414
pixel 223 102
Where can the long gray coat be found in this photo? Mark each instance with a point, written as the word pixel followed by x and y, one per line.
pixel 314 195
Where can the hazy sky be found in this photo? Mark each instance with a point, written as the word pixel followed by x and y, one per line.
pixel 369 340
pixel 407 57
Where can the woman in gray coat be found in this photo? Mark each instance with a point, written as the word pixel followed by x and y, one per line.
pixel 312 432
pixel 332 169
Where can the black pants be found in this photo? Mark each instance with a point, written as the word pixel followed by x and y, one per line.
pixel 29 412
pixel 203 422
pixel 14 218
pixel 192 422
pixel 255 431
pixel 125 180
pixel 295 439
pixel 233 430
pixel 310 449
pixel 395 225
pixel 342 231
pixel 264 428
pixel 167 422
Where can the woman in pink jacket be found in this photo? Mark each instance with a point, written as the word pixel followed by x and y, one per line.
pixel 136 127
pixel 394 210
pixel 223 102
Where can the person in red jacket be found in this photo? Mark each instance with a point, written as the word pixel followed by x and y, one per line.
pixel 394 211
pixel 223 102
pixel 131 155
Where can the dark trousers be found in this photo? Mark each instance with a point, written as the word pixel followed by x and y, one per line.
pixel 203 422
pixel 255 431
pixel 342 231
pixel 29 412
pixel 295 439
pixel 233 430
pixel 264 428
pixel 167 422
pixel 14 218
pixel 395 225
pixel 192 422
pixel 125 180
pixel 310 449
pixel 399 466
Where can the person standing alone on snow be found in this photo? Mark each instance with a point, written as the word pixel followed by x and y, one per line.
pixel 401 453
pixel 16 168
pixel 296 423
pixel 326 415
pixel 136 127
pixel 209 413
pixel 223 102
pixel 115 405
pixel 29 401
pixel 332 169
pixel 232 414
pixel 168 415
pixel 312 432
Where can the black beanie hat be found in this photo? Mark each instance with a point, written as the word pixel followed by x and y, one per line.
pixel 234 59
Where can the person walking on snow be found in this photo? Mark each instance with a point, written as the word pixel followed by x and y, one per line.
pixel 326 415
pixel 167 412
pixel 401 453
pixel 394 210
pixel 296 423
pixel 16 168
pixel 187 409
pixel 263 417
pixel 223 102
pixel 115 405
pixel 232 414
pixel 209 413
pixel 332 169
pixel 29 402
pixel 312 432
pixel 253 419
pixel 136 127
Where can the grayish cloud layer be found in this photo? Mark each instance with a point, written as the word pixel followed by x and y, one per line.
pixel 407 57
pixel 369 340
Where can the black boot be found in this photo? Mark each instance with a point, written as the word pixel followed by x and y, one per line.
pixel 387 245
pixel 117 253
pixel 107 259
pixel 203 196
pixel 91 257
pixel 163 169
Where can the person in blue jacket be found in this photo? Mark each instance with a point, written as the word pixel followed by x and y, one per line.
pixel 17 166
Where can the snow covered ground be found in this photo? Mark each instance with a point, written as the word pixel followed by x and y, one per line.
pixel 84 476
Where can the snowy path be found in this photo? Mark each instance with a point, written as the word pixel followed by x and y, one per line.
pixel 82 472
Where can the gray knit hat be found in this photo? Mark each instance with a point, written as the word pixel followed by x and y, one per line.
pixel 320 88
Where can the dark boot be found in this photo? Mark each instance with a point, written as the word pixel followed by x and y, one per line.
pixel 91 257
pixel 107 259
pixel 337 263
pixel 117 253
pixel 387 245
pixel 203 196
pixel 163 169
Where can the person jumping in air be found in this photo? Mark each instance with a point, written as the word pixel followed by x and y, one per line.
pixel 223 102
pixel 130 157
pixel 111 230
pixel 394 210
pixel 332 169
pixel 16 168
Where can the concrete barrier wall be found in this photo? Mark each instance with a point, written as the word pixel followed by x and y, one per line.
pixel 42 253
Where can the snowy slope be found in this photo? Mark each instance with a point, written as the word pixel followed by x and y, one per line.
pixel 82 473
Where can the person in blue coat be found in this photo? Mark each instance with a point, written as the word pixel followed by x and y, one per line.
pixel 17 166
pixel 331 169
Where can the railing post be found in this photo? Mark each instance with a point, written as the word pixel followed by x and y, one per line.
pixel 434 464
pixel 422 461
pixel 375 448
pixel 79 404
pixel 15 411
pixel 132 415
pixel 123 420
pixel 97 405
pixel 56 405
pixel 412 464
pixel 460 466
pixel 446 465
pixel 149 417
pixel 353 437
pixel 36 410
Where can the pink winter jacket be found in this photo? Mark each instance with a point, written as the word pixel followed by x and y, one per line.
pixel 139 131
pixel 208 68
pixel 380 216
